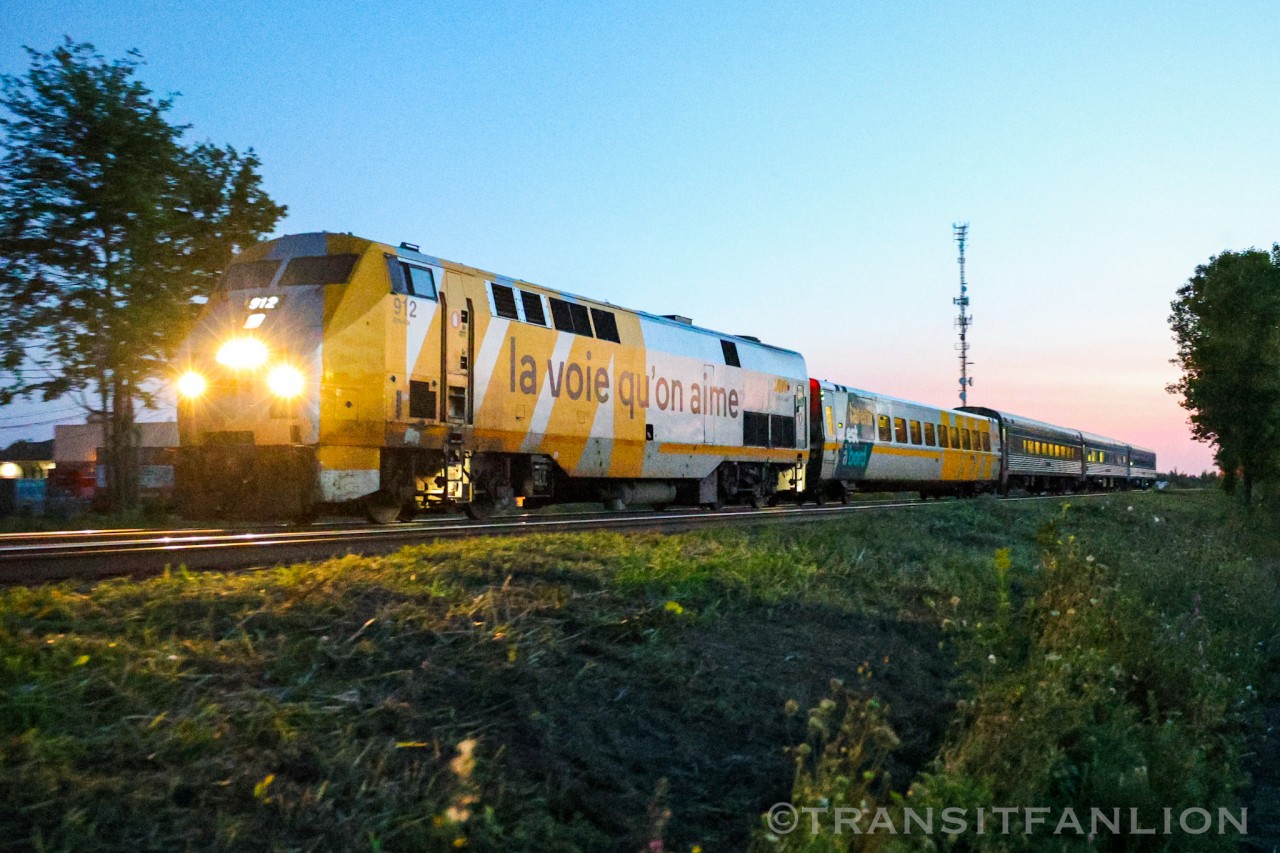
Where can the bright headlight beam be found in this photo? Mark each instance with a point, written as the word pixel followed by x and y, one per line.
pixel 191 384
pixel 242 354
pixel 285 381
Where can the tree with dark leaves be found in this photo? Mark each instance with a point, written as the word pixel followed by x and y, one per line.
pixel 1226 321
pixel 111 229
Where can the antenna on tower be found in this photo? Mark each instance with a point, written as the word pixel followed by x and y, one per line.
pixel 964 319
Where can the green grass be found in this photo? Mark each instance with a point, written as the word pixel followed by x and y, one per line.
pixel 601 691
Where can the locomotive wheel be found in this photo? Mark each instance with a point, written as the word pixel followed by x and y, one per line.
pixel 844 496
pixel 757 500
pixel 659 507
pixel 820 496
pixel 381 507
pixel 480 509
pixel 408 511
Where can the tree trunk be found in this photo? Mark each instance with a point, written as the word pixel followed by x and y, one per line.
pixel 1246 481
pixel 122 456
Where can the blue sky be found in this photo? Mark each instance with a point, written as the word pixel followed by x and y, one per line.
pixel 784 170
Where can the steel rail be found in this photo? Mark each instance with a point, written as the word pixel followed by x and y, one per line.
pixel 139 553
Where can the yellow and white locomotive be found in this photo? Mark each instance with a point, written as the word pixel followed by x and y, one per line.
pixel 329 370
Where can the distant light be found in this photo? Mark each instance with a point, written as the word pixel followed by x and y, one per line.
pixel 10 471
pixel 242 354
pixel 253 321
pixel 191 384
pixel 285 381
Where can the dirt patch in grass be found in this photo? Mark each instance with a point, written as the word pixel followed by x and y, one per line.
pixel 698 728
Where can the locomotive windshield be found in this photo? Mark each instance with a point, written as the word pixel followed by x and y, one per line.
pixel 317 269
pixel 253 275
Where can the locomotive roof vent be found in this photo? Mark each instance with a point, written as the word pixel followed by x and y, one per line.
pixel 412 247
pixel 687 321
pixel 748 338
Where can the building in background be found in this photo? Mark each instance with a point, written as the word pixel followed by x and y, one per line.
pixel 80 480
pixel 24 470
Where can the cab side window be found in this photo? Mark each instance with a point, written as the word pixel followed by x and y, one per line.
pixel 882 426
pixel 413 280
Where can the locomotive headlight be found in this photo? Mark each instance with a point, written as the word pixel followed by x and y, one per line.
pixel 285 381
pixel 191 384
pixel 242 354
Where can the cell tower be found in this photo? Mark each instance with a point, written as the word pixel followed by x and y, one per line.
pixel 961 233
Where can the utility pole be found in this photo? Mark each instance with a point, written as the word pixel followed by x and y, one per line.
pixel 964 319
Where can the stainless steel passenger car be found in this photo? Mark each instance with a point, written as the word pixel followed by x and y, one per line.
pixel 1042 457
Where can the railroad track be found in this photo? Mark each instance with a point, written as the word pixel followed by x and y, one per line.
pixel 61 555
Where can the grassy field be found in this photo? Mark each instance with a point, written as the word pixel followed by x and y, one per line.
pixel 602 691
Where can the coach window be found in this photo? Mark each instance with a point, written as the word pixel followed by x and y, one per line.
pixel 831 423
pixel 955 438
pixel 900 430
pixel 986 441
pixel 942 436
pixel 965 440
pixel 882 425
pixel 928 435
pixel 865 420
pixel 915 433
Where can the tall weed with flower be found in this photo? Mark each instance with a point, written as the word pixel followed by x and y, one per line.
pixel 839 770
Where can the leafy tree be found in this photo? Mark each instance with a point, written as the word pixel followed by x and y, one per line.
pixel 111 227
pixel 1226 321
